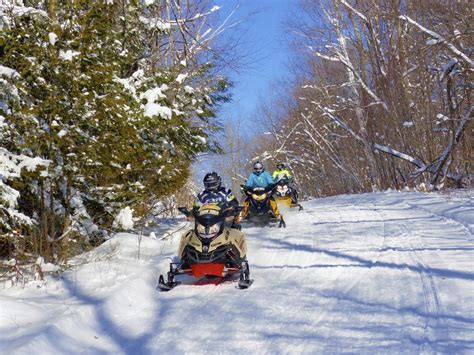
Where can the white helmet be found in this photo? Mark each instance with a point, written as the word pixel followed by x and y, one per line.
pixel 258 167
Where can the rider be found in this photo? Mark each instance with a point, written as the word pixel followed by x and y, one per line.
pixel 214 192
pixel 282 173
pixel 260 178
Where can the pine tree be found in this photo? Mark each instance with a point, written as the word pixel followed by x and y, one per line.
pixel 116 130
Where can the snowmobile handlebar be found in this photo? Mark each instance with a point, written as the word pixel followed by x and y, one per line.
pixel 284 181
pixel 185 211
pixel 232 211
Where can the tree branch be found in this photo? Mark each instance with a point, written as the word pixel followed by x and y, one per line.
pixel 440 39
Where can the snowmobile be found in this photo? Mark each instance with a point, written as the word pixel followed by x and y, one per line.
pixel 211 250
pixel 260 211
pixel 283 194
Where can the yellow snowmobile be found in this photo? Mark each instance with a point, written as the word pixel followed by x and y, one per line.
pixel 285 195
pixel 211 250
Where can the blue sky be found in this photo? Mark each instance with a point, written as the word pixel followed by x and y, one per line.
pixel 264 36
pixel 264 21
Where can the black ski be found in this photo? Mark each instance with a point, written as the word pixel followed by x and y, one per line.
pixel 166 286
pixel 243 284
pixel 244 280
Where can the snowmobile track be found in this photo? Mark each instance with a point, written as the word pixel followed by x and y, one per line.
pixel 331 305
pixel 431 298
pixel 432 304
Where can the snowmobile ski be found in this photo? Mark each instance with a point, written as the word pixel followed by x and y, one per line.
pixel 205 281
pixel 166 286
pixel 244 280
pixel 243 284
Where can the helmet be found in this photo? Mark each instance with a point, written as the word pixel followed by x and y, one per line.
pixel 281 166
pixel 258 167
pixel 212 181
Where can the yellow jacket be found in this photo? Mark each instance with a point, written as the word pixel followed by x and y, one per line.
pixel 281 174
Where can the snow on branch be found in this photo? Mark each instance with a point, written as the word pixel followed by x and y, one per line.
pixel 8 72
pixel 333 59
pixel 441 160
pixel 373 34
pixel 12 164
pixel 345 60
pixel 433 168
pixel 330 152
pixel 342 55
pixel 338 121
pixel 439 40
pixel 283 144
pixel 396 153
pixel 358 13
pixel 422 166
pixel 8 8
pixel 195 31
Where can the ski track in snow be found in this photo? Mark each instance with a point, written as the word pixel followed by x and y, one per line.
pixel 389 272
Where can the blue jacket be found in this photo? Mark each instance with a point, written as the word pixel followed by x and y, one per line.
pixel 262 180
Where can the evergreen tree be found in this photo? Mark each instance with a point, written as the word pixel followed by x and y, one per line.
pixel 116 130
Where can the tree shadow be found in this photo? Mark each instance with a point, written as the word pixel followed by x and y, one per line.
pixel 438 272
pixel 127 343
pixel 63 343
pixel 443 343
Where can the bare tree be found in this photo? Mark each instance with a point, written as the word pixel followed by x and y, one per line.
pixel 379 80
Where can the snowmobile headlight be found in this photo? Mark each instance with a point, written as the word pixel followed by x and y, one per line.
pixel 282 188
pixel 208 232
pixel 259 197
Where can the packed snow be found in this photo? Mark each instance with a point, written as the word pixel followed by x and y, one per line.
pixel 388 272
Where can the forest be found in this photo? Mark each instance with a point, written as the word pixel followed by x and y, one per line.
pixel 106 105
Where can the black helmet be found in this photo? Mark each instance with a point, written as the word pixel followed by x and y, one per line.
pixel 212 181
pixel 280 166
pixel 258 167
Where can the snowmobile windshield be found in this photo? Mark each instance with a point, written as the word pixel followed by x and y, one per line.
pixel 209 221
pixel 259 196
pixel 208 232
pixel 282 179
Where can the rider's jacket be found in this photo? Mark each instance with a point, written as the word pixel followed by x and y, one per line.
pixel 281 174
pixel 259 180
pixel 222 196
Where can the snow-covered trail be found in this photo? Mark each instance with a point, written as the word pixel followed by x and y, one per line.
pixel 387 273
